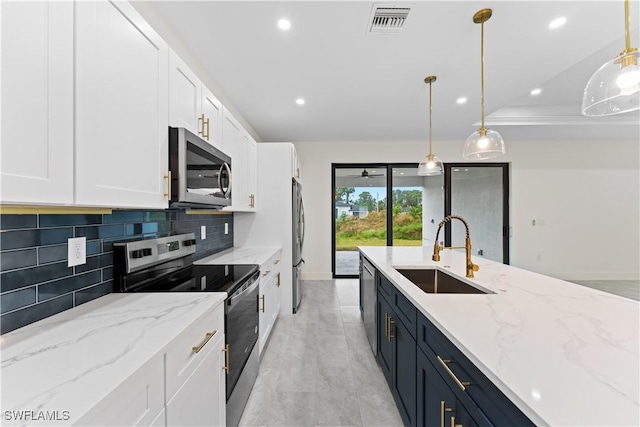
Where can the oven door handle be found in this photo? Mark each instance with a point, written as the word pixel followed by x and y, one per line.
pixel 240 293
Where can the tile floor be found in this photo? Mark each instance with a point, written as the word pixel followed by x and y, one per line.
pixel 318 368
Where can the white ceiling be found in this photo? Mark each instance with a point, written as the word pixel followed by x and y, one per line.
pixel 365 87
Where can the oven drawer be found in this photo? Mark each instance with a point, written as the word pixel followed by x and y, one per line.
pixel 181 356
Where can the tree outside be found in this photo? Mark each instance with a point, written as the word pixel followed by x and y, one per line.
pixel 371 230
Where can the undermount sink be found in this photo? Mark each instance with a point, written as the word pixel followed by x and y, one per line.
pixel 434 281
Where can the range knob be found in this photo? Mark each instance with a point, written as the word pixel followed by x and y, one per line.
pixel 146 252
pixel 189 242
pixel 137 254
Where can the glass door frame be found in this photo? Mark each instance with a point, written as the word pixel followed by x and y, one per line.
pixel 505 201
pixel 389 196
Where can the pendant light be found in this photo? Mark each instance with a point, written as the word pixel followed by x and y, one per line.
pixel 484 143
pixel 431 165
pixel 615 87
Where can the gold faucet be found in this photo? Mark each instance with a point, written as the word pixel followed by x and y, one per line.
pixel 471 267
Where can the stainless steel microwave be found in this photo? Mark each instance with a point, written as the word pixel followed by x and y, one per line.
pixel 200 173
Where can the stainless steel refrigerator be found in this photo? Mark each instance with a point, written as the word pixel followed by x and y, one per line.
pixel 298 241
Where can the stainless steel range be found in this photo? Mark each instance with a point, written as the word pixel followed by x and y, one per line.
pixel 165 265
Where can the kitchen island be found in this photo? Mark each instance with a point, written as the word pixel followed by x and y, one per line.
pixel 562 353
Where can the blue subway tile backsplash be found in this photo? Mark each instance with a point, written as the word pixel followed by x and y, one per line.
pixel 35 281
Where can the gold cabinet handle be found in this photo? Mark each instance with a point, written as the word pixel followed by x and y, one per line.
pixel 207 337
pixel 168 178
pixel 298 173
pixel 453 422
pixel 391 322
pixel 201 130
pixel 276 261
pixel 266 273
pixel 262 299
pixel 443 409
pixel 226 359
pixel 386 326
pixel 252 200
pixel 461 384
pixel 278 280
pixel 206 122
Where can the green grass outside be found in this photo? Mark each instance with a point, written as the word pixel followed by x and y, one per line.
pixel 352 243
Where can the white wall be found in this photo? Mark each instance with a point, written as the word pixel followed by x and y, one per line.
pixel 587 193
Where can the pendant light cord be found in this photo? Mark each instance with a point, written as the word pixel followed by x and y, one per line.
pixel 430 126
pixel 482 69
pixel 627 25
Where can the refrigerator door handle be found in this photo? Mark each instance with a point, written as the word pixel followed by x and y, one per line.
pixel 301 222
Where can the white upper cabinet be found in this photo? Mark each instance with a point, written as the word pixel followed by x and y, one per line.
pixel 191 104
pixel 36 142
pixel 121 108
pixel 237 143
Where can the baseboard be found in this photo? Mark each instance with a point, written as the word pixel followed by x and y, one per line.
pixel 594 276
pixel 316 276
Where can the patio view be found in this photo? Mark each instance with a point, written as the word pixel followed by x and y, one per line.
pixel 361 209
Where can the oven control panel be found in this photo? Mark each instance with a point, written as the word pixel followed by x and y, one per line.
pixel 145 253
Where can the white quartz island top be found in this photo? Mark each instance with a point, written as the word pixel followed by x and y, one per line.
pixel 566 355
pixel 240 255
pixel 72 360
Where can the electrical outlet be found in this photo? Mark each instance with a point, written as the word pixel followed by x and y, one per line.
pixel 77 251
pixel 203 232
pixel 226 228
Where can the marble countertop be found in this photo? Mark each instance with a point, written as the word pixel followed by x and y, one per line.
pixel 566 355
pixel 56 363
pixel 240 255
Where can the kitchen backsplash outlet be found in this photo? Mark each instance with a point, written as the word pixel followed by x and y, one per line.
pixel 35 281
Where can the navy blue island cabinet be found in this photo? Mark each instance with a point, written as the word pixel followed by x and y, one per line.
pixel 432 382
pixel 397 348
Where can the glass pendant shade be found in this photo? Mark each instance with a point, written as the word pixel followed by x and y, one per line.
pixel 614 88
pixel 430 166
pixel 483 144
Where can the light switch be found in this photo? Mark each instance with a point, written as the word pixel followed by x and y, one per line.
pixel 226 228
pixel 203 232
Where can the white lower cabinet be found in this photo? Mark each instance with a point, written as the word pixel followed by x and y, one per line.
pixel 270 300
pixel 138 401
pixel 200 401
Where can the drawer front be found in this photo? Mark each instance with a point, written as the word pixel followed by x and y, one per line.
pixel 406 312
pixel 494 405
pixel 181 357
pixel 385 287
pixel 138 401
pixel 271 266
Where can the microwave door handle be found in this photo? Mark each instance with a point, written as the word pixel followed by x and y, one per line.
pixel 220 179
pixel 226 192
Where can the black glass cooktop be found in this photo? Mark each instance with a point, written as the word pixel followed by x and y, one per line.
pixel 175 277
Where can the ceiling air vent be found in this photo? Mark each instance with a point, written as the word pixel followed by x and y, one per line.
pixel 387 19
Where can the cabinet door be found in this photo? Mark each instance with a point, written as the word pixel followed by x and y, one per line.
pixel 185 96
pixel 212 111
pixel 435 400
pixel 202 398
pixel 266 308
pixel 37 102
pixel 121 108
pixel 250 169
pixel 404 371
pixel 277 295
pixel 233 144
pixel 385 340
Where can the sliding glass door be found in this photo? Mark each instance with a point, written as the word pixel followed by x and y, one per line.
pixel 359 213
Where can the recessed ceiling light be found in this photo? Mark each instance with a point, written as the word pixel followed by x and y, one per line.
pixel 401 173
pixel 456 170
pixel 461 100
pixel 284 24
pixel 536 91
pixel 558 22
pixel 300 101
